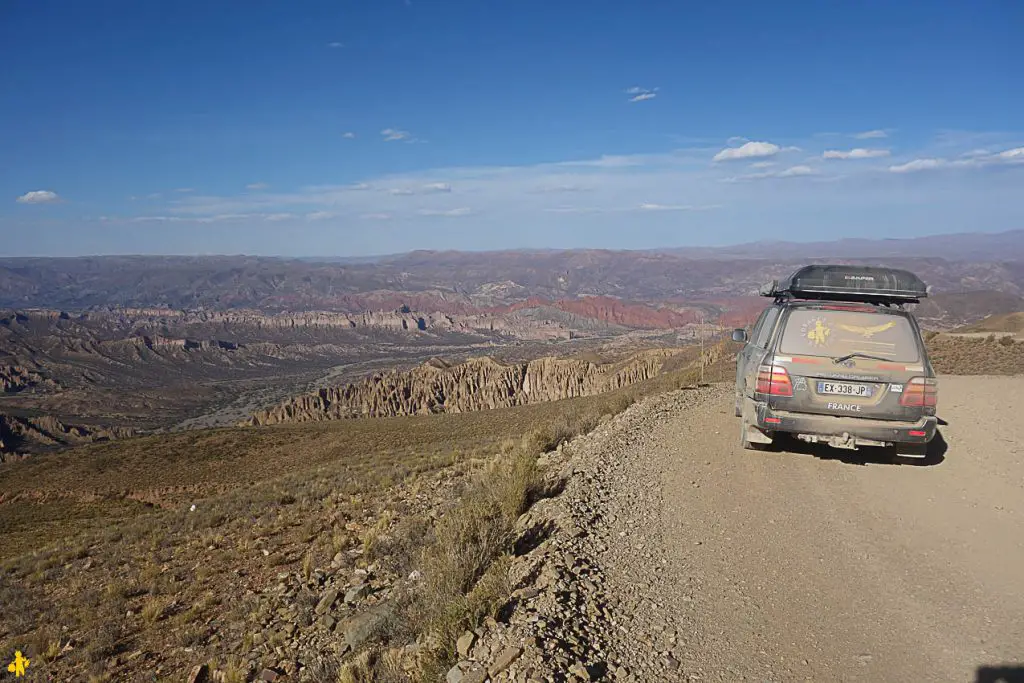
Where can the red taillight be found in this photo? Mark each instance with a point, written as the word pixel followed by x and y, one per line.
pixel 920 392
pixel 774 381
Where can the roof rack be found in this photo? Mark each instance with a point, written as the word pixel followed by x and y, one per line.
pixel 867 284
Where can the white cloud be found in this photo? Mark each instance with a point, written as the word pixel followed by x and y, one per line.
pixel 335 45
pixel 762 164
pixel 393 134
pixel 918 165
pixel 791 172
pixel 606 161
pixel 437 187
pixel 154 195
pixel 319 215
pixel 871 135
pixel 158 219
pixel 796 171
pixel 348 135
pixel 646 206
pixel 39 197
pixel 640 94
pixel 550 189
pixel 376 216
pixel 1015 155
pixel 856 153
pixel 400 192
pixel 973 159
pixel 461 211
pixel 573 209
pixel 257 186
pixel 185 189
pixel 218 218
pixel 749 150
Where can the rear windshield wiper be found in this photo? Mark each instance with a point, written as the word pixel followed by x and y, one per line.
pixel 848 356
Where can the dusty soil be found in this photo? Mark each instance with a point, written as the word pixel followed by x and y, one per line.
pixel 679 556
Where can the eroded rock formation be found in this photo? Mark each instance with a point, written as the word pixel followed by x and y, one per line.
pixel 477 384
pixel 16 378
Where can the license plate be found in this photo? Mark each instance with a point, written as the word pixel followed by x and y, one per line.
pixel 844 389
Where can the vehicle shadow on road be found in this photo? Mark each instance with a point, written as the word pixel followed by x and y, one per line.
pixel 935 455
pixel 1000 674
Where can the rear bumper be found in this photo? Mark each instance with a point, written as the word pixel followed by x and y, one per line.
pixel 889 431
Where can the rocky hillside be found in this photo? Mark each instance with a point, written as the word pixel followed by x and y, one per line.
pixel 1012 323
pixel 20 436
pixel 476 384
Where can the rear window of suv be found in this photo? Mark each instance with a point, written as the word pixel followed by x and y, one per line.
pixel 830 333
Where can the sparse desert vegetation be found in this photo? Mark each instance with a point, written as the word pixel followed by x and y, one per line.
pixel 989 354
pixel 346 550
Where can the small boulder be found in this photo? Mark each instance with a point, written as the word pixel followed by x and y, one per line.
pixel 580 671
pixel 504 660
pixel 327 601
pixel 454 675
pixel 465 643
pixel 360 628
pixel 199 674
pixel 357 593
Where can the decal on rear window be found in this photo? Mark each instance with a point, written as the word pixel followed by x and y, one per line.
pixel 810 332
pixel 869 332
pixel 816 331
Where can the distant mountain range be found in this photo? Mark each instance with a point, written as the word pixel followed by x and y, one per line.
pixel 957 246
pixel 455 282
pixel 982 246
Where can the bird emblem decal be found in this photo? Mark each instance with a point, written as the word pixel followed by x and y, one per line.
pixel 869 331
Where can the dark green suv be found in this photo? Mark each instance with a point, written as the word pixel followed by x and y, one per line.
pixel 838 359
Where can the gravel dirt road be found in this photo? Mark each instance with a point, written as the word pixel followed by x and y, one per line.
pixel 679 556
pixel 801 567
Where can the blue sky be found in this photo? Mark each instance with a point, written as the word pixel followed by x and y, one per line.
pixel 353 128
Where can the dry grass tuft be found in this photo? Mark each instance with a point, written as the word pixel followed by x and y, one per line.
pixel 360 669
pixel 153 610
pixel 464 579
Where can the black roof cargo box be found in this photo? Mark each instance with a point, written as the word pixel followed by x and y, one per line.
pixel 850 283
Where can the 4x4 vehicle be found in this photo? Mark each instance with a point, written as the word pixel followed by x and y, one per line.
pixel 838 359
